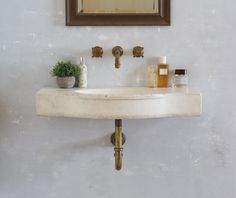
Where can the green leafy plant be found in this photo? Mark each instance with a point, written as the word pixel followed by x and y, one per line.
pixel 65 69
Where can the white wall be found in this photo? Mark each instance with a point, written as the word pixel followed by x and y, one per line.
pixel 70 158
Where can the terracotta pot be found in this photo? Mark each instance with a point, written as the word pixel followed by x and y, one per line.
pixel 66 82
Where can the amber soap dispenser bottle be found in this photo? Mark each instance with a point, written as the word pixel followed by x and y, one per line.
pixel 162 73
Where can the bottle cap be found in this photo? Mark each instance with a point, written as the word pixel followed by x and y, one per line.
pixel 181 71
pixel 162 60
pixel 82 60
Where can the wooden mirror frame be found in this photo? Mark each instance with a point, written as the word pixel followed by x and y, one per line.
pixel 73 18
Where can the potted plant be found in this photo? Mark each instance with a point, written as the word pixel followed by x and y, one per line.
pixel 66 72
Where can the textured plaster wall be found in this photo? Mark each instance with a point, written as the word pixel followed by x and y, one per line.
pixel 71 158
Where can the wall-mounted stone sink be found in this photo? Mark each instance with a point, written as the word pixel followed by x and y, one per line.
pixel 118 103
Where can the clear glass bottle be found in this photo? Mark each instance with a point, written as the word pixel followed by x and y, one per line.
pixel 151 76
pixel 180 78
pixel 83 73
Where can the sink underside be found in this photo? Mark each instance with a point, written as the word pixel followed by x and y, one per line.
pixel 118 103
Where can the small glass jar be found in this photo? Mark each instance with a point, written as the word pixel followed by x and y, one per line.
pixel 180 78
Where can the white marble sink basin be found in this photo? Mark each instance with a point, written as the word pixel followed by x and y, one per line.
pixel 118 103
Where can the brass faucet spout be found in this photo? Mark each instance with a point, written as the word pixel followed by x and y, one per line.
pixel 117 52
pixel 117 61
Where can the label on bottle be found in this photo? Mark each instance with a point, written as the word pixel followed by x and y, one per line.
pixel 163 72
pixel 180 80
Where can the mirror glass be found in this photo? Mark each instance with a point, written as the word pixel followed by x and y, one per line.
pixel 118 6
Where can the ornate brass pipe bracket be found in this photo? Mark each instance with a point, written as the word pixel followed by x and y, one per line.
pixel 117 51
pixel 118 139
pixel 113 137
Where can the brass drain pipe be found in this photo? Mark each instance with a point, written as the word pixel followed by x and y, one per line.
pixel 118 139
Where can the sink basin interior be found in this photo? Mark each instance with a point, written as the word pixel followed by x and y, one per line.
pixel 126 92
pixel 118 91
